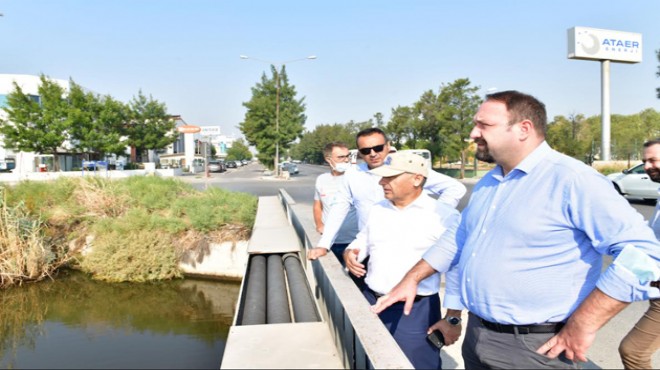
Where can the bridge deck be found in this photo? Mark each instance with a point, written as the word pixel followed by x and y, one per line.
pixel 297 345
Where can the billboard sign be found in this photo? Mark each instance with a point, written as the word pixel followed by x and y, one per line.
pixel 210 130
pixel 598 44
pixel 188 129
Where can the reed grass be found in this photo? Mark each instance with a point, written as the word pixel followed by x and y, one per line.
pixel 133 229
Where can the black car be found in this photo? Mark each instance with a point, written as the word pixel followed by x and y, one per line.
pixel 231 164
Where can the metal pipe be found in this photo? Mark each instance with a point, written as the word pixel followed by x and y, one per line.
pixel 304 308
pixel 277 309
pixel 254 307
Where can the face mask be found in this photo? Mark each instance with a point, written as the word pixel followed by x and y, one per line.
pixel 342 166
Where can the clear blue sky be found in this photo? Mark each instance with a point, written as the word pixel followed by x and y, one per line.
pixel 372 55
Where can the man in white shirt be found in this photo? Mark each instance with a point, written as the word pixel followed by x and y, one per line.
pixel 337 155
pixel 397 232
pixel 361 189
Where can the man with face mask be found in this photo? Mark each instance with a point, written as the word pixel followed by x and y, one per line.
pixel 643 340
pixel 336 154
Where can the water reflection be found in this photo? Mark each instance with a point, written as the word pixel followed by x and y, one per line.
pixel 75 322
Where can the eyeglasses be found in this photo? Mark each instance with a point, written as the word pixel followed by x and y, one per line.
pixel 377 149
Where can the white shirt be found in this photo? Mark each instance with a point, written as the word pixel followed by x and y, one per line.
pixel 361 190
pixel 326 189
pixel 395 240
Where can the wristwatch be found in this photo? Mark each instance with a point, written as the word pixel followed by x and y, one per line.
pixel 453 320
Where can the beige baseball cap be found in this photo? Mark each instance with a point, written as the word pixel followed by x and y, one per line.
pixel 401 162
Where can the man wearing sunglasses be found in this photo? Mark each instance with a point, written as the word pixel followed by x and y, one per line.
pixel 361 189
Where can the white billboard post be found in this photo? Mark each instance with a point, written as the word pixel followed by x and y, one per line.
pixel 605 46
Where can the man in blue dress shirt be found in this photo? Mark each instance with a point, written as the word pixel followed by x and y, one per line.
pixel 531 242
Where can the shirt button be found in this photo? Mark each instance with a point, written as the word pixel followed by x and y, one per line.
pixel 474 254
pixel 483 231
pixel 468 279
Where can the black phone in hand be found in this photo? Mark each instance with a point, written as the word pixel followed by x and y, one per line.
pixel 436 338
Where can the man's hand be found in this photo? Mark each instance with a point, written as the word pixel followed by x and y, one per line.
pixel 351 259
pixel 572 340
pixel 450 332
pixel 580 331
pixel 317 252
pixel 406 291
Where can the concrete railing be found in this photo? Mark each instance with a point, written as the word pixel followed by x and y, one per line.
pixel 361 338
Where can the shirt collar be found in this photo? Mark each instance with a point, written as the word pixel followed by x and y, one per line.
pixel 420 202
pixel 531 161
pixel 363 167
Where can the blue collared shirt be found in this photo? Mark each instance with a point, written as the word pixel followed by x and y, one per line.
pixel 531 243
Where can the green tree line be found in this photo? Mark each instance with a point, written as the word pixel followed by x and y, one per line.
pixel 83 122
pixel 439 121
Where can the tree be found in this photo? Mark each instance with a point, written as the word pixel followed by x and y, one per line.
pixel 458 104
pixel 260 127
pixel 37 124
pixel 238 151
pixel 310 147
pixel 566 136
pixel 149 125
pixel 401 127
pixel 95 124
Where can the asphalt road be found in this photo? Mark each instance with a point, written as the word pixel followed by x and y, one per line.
pixel 250 179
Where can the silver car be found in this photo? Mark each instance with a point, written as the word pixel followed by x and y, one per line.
pixel 634 182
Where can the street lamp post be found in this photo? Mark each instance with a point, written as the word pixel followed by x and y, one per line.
pixel 280 67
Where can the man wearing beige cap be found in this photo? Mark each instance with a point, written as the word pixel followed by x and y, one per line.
pixel 398 231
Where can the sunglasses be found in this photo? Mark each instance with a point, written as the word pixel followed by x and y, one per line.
pixel 377 149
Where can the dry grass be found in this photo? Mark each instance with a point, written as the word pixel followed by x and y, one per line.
pixel 134 229
pixel 25 254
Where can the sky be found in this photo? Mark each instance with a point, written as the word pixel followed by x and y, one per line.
pixel 372 56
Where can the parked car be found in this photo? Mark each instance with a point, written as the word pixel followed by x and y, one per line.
pixel 217 166
pixel 634 182
pixel 292 168
pixel 231 164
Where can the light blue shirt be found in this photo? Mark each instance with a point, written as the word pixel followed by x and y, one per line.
pixel 361 190
pixel 531 242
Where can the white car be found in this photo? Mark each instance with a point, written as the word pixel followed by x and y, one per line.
pixel 634 182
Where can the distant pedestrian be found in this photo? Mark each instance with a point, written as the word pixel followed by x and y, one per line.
pixel 337 155
pixel 637 348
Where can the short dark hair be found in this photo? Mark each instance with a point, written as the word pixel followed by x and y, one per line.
pixel 521 107
pixel 370 131
pixel 327 150
pixel 652 142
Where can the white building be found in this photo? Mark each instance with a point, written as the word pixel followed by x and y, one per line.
pixel 26 161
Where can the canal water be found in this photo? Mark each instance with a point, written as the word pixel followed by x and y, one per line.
pixel 75 322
